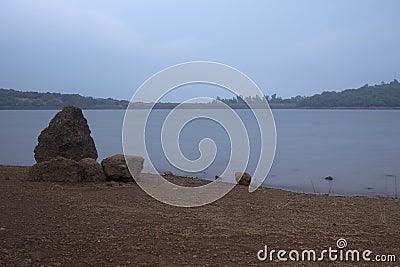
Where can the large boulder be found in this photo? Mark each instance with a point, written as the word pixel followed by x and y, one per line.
pixel 61 169
pixel 91 171
pixel 115 167
pixel 243 178
pixel 68 136
pixel 58 169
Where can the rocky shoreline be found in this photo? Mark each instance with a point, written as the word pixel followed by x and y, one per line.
pixel 111 224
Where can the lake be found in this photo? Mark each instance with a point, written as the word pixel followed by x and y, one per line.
pixel 359 148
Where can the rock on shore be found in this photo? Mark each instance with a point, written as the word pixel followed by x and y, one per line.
pixel 58 169
pixel 243 178
pixel 115 167
pixel 68 136
pixel 61 169
pixel 66 153
pixel 91 171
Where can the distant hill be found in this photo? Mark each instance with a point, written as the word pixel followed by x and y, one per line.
pixel 384 95
pixel 12 99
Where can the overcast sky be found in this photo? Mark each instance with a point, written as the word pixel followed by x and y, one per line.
pixel 108 48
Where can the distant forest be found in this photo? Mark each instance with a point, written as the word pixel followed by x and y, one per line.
pixel 384 95
pixel 12 99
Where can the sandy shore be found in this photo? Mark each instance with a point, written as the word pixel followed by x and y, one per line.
pixel 54 224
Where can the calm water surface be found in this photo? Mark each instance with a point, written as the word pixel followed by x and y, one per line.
pixel 359 148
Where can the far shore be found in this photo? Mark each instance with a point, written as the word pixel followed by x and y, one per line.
pixel 203 106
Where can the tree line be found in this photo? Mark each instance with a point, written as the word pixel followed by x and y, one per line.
pixel 384 95
pixel 380 95
pixel 12 99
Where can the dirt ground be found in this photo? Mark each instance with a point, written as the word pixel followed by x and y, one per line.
pixel 55 224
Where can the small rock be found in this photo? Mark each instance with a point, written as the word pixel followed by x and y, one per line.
pixel 110 183
pixel 243 178
pixel 113 184
pixel 168 173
